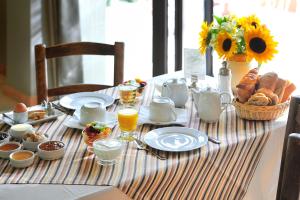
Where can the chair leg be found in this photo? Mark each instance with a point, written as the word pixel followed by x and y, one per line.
pixel 290 187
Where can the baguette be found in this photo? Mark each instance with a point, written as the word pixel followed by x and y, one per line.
pixel 246 86
pixel 290 88
pixel 280 88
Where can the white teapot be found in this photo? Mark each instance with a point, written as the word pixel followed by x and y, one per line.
pixel 208 104
pixel 176 90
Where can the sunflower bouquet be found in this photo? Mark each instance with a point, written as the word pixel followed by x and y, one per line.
pixel 230 36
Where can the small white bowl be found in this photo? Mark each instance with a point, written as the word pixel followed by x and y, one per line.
pixel 5 153
pixel 108 150
pixel 51 154
pixel 19 130
pixel 32 146
pixel 5 139
pixel 21 163
pixel 20 117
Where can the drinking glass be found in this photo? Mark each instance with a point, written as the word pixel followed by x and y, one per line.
pixel 127 94
pixel 127 118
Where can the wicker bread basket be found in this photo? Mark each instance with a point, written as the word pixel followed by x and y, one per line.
pixel 252 112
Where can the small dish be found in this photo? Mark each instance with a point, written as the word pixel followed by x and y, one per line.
pixel 4 137
pixel 19 130
pixel 21 159
pixel 51 150
pixel 144 117
pixel 74 122
pixel 9 147
pixel 107 150
pixel 32 145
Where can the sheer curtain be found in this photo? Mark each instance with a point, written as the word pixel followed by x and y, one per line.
pixel 61 20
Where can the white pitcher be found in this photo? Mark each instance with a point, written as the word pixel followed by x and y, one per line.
pixel 176 90
pixel 208 104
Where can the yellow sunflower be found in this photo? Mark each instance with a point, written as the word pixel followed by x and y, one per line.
pixel 241 22
pixel 203 37
pixel 253 21
pixel 260 44
pixel 225 45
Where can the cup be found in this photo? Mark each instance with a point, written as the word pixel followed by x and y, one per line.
pixel 162 109
pixel 92 112
pixel 20 117
pixel 127 118
pixel 127 93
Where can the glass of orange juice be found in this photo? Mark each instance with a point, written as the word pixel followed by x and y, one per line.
pixel 127 118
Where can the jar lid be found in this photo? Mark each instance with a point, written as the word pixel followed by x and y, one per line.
pixel 224 71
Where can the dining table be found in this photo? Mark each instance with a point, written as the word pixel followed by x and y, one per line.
pixel 245 165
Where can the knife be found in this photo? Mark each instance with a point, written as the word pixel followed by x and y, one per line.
pixel 5 115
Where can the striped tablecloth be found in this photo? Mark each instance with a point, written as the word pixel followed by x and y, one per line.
pixel 212 172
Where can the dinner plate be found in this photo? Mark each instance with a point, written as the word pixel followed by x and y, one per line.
pixel 144 117
pixel 175 139
pixel 73 122
pixel 76 100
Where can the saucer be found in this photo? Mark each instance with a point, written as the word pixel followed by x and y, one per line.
pixel 144 117
pixel 73 122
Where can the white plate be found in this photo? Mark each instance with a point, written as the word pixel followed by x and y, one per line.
pixel 75 101
pixel 10 122
pixel 175 139
pixel 144 117
pixel 73 122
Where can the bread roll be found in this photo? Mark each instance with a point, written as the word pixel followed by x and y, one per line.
pixel 247 85
pixel 268 81
pixel 269 94
pixel 280 88
pixel 290 88
pixel 259 99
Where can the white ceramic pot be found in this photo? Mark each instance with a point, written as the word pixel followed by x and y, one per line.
pixel 176 90
pixel 208 104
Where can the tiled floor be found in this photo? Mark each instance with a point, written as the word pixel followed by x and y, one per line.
pixel 6 103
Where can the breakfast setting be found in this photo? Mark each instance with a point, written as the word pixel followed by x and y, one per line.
pixel 174 136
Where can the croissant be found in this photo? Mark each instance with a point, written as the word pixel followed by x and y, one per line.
pixel 259 99
pixel 270 94
pixel 247 85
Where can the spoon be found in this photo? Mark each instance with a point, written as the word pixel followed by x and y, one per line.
pixel 143 146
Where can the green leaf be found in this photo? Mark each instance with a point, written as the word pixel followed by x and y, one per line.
pixel 219 19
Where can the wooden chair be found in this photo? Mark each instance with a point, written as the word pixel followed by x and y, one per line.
pixel 289 176
pixel 42 53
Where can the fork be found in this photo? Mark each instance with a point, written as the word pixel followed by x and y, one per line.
pixel 141 145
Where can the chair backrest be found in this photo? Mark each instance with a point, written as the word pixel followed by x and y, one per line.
pixel 289 176
pixel 42 53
